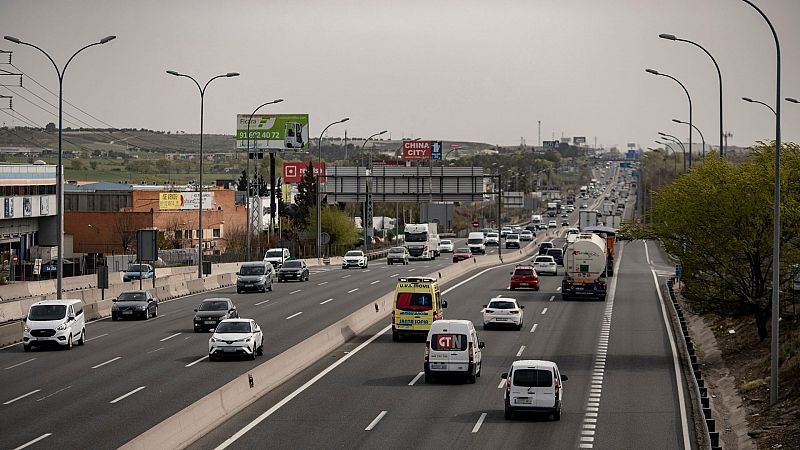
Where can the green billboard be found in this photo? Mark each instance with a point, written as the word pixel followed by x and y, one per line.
pixel 273 131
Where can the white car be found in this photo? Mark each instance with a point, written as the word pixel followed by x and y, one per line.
pixel 492 239
pixel 513 240
pixel 526 235
pixel 502 311
pixel 355 258
pixel 505 231
pixel 60 323
pixel 236 337
pixel 545 264
pixel 552 224
pixel 533 386
pixel 446 246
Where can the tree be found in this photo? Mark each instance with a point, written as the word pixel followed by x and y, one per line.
pixel 93 165
pixel 718 220
pixel 76 164
pixel 50 127
pixel 306 198
pixel 338 224
pixel 124 232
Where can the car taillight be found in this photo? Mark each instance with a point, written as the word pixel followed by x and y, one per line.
pixel 471 351
pixel 489 311
pixel 427 351
pixel 513 312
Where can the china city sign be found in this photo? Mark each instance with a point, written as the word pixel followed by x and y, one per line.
pixel 273 132
pixel 422 150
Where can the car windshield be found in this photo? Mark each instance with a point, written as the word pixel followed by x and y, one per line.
pixel 493 235
pixel 47 312
pixel 293 264
pixel 234 327
pixel 533 378
pixel 354 253
pixel 274 253
pixel 446 242
pixel 416 301
pixel 397 250
pixel 416 237
pixel 463 250
pixel 138 267
pixel 132 297
pixel 475 241
pixel 252 270
pixel 502 304
pixel 214 305
pixel 448 342
pixel 523 272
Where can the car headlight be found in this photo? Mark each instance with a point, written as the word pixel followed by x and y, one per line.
pixel 114 307
pixel 62 327
pixel 141 307
pixel 213 339
pixel 26 328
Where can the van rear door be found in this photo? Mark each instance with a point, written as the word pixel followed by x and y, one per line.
pixel 448 352
pixel 533 387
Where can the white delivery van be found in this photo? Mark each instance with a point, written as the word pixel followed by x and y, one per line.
pixel 58 322
pixel 452 348
pixel 476 242
pixel 533 386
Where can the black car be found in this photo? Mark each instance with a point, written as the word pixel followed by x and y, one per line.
pixel 294 269
pixel 130 304
pixel 557 254
pixel 544 246
pixel 213 311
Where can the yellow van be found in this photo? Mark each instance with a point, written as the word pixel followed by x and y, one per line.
pixel 417 304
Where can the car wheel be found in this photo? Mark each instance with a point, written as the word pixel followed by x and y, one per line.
pixel 429 378
pixel 211 357
pixel 512 288
pixel 388 263
pixel 114 318
pixel 485 326
pixel 260 350
pixel 557 414
pixel 82 340
pixel 26 347
pixel 238 291
pixel 196 330
pixel 69 342
pixel 519 327
pixel 270 287
pixel 471 378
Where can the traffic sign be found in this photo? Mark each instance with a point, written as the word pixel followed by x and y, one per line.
pixel 436 150
pixel 476 224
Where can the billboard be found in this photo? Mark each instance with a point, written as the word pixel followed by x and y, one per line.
pixel 168 201
pixel 436 150
pixel 579 139
pixel 550 144
pixel 273 131
pixel 293 171
pixel 416 150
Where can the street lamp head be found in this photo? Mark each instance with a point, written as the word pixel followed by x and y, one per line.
pixel 279 100
pixel 662 133
pixel 792 100
pixel 232 74
pixel 382 132
pixel 747 99
pixel 172 72
pixel 344 120
pixel 106 39
pixel 12 39
pixel 654 72
pixel 678 121
pixel 669 37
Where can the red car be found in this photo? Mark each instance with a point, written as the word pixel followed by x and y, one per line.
pixel 524 276
pixel 461 254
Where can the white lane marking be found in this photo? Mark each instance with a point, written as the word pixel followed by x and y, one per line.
pixel 19 364
pixel 375 421
pixel 534 327
pixel 54 393
pixel 416 378
pixel 376 282
pixel 411 270
pixel 352 290
pixel 647 254
pixel 544 311
pixel 196 361
pixel 97 337
pixel 21 397
pixel 502 384
pixel 347 276
pixel 678 375
pixel 261 303
pixel 326 301
pixel 294 315
pixel 153 351
pixel 552 297
pixel 558 288
pixel 322 284
pixel 393 275
pixel 124 396
pixel 521 349
pixel 107 362
pixel 295 292
pixel 28 444
pixel 479 423
pixel 254 423
pixel 169 337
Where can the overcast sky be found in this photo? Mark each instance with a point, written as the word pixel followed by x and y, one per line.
pixel 455 70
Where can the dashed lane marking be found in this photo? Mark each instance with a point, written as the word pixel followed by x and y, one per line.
pixel 294 315
pixel 326 301
pixel 124 396
pixel 21 397
pixel 196 361
pixel 479 423
pixel 375 421
pixel 28 444
pixel 169 337
pixel 107 362
pixel 416 378
pixel 19 364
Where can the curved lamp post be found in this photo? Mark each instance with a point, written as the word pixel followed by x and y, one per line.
pixel 677 141
pixel 247 173
pixel 702 138
pixel 750 100
pixel 60 166
pixel 672 37
pixel 319 196
pixel 200 184
pixel 655 72
pixel 674 154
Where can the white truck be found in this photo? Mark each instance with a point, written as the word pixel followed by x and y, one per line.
pixel 588 218
pixel 552 209
pixel 476 241
pixel 536 219
pixel 422 240
pixel 608 208
pixel 585 263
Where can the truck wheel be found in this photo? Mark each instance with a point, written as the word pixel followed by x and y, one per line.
pixel 395 336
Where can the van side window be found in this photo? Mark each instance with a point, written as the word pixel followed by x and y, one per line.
pixel 78 309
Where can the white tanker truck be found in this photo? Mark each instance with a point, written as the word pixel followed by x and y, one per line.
pixel 585 268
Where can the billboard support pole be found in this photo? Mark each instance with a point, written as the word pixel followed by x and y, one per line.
pixel 272 206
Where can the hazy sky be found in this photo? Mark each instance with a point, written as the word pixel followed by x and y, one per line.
pixel 461 69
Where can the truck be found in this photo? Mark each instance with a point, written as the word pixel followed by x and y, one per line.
pixel 585 268
pixel 536 219
pixel 476 241
pixel 608 208
pixel 588 218
pixel 552 209
pixel 422 240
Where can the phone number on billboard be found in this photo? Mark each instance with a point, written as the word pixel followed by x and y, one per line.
pixel 258 135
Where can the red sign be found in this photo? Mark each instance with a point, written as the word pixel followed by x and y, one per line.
pixel 476 224
pixel 454 146
pixel 293 171
pixel 416 150
pixel 448 342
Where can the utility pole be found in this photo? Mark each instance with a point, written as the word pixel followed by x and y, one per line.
pixel 540 133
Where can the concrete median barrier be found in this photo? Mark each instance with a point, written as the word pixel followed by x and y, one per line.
pixel 10 333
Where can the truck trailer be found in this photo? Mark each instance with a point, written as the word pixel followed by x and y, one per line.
pixel 585 268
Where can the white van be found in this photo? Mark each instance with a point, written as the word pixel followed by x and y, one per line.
pixel 533 386
pixel 54 322
pixel 476 242
pixel 452 348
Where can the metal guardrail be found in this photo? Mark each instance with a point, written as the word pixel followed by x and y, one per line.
pixel 697 384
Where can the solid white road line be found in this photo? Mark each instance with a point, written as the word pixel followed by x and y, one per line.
pixel 295 292
pixel 127 395
pixel 294 315
pixel 411 270
pixel 375 421
pixel 28 444
pixel 97 337
pixel 521 349
pixel 647 254
pixel 322 284
pixel 326 301
pixel 534 327
pixel 347 276
pixel 261 303
pixel 480 422
pixel 19 364
pixel 21 397
pixel 558 288
pixel 678 375
pixel 416 378
pixel 196 361
pixel 376 282
pixel 107 362
pixel 169 337
pixel 393 275
pixel 54 393
pixel 544 311
pixel 352 290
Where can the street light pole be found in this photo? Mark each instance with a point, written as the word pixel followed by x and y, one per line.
pixel 367 199
pixel 319 163
pixel 703 138
pixel 674 154
pixel 60 166
pixel 247 174
pixel 655 72
pixel 677 141
pixel 200 183
pixel 719 75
